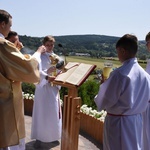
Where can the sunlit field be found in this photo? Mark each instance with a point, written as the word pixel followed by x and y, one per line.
pixel 96 61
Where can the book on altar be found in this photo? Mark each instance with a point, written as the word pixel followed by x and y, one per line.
pixel 75 73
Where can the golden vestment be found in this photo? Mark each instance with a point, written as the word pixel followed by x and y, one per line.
pixel 14 69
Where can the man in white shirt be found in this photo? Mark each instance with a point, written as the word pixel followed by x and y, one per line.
pixel 124 95
pixel 146 114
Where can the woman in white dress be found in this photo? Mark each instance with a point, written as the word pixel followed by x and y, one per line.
pixel 46 118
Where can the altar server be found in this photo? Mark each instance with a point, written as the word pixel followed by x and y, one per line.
pixel 46 118
pixel 146 114
pixel 125 96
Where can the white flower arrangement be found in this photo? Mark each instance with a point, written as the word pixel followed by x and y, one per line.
pixel 94 113
pixel 84 108
pixel 28 96
pixel 61 102
pixel 31 97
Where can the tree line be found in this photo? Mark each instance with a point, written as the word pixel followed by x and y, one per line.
pixel 95 45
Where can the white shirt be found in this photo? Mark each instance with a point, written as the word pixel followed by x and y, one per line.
pixel 148 66
pixel 126 91
pixel 2 36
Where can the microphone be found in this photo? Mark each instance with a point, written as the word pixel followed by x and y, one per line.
pixel 60 45
pixel 63 53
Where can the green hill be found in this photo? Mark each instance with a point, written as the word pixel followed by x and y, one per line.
pixel 95 45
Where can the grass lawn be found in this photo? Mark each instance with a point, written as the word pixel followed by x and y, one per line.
pixel 96 61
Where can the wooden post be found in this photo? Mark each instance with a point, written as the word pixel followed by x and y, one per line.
pixel 71 120
pixel 75 74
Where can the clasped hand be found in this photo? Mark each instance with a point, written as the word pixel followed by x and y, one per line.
pixel 18 44
pixel 41 49
pixel 51 78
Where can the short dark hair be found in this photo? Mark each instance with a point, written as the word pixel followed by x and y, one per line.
pixel 10 34
pixel 4 16
pixel 129 43
pixel 147 36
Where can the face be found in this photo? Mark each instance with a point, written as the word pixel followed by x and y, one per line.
pixel 148 45
pixel 49 46
pixel 121 52
pixel 13 39
pixel 5 28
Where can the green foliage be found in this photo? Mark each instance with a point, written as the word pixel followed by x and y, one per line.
pixel 28 88
pixel 87 92
pixel 96 45
pixel 31 42
pixel 63 91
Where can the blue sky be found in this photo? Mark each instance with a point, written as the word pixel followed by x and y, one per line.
pixel 39 18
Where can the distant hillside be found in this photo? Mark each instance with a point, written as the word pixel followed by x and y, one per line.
pixel 95 45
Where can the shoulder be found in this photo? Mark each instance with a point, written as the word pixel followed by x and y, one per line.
pixel 43 55
pixel 7 45
pixel 4 41
pixel 119 75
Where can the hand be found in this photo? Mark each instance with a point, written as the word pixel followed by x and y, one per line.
pixel 41 49
pixel 51 69
pixel 102 79
pixel 18 44
pixel 51 78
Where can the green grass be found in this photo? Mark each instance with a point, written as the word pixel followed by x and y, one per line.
pixel 96 61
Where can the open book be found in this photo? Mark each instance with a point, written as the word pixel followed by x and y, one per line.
pixel 75 73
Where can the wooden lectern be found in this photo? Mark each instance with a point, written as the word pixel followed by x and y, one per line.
pixel 72 78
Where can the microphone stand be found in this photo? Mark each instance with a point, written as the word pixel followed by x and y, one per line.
pixel 63 52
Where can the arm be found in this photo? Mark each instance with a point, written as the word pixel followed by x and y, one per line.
pixel 16 66
pixel 109 92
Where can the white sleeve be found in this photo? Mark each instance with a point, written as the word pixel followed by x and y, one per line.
pixel 109 93
pixel 148 67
